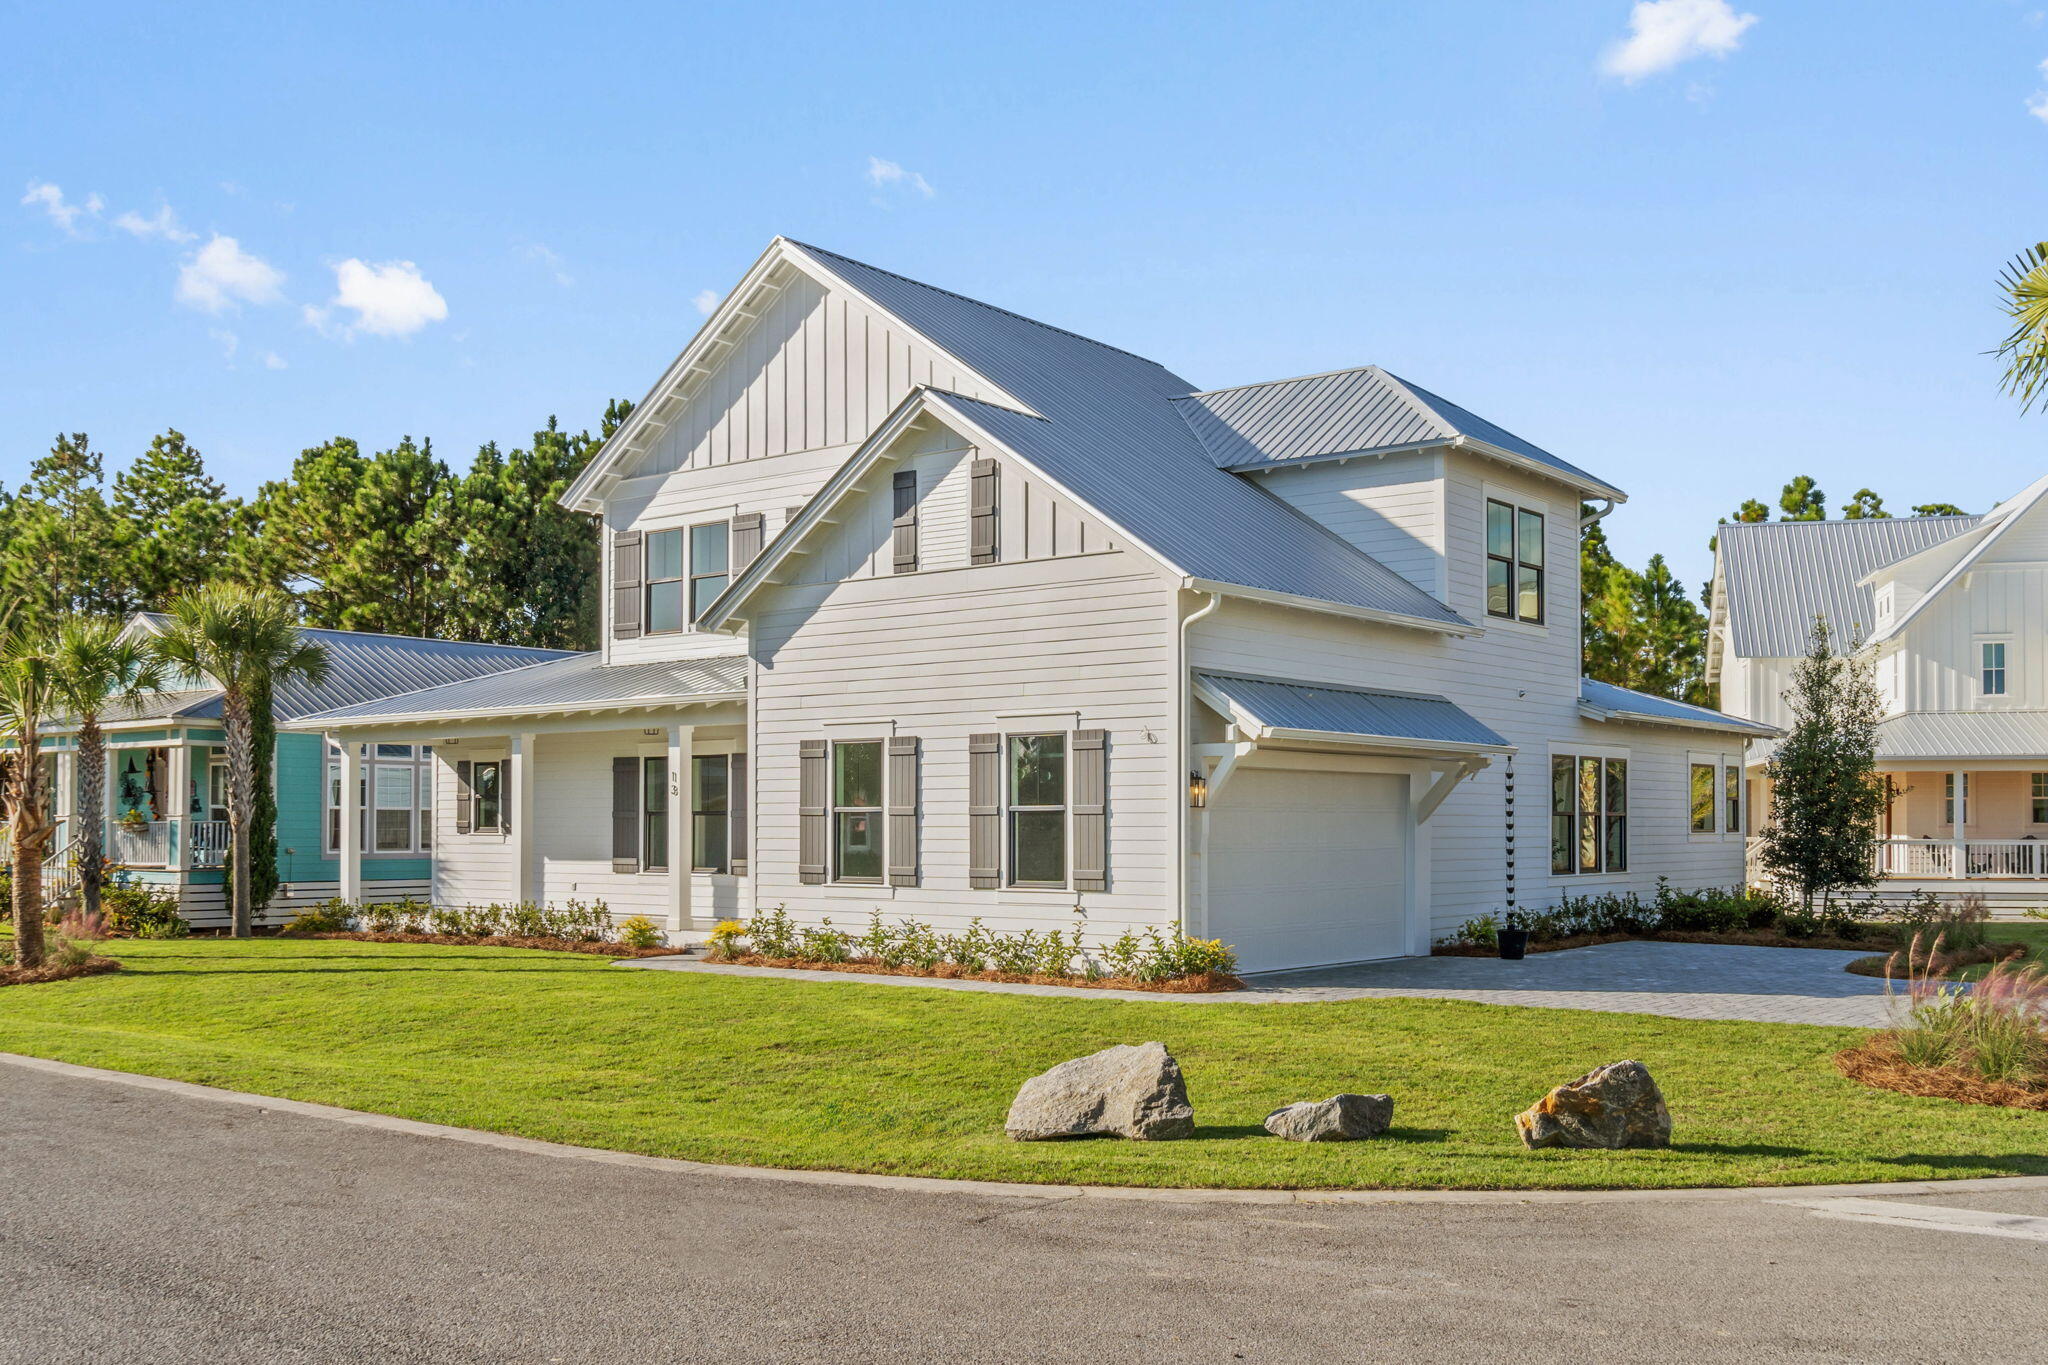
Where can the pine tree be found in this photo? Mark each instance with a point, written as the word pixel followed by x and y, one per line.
pixel 1826 795
pixel 1866 505
pixel 1802 500
pixel 173 522
pixel 1938 509
pixel 59 555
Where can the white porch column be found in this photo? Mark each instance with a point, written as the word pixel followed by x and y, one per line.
pixel 519 798
pixel 351 822
pixel 180 803
pixel 1960 851
pixel 681 847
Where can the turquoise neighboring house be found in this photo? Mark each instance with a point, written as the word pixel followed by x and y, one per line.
pixel 167 818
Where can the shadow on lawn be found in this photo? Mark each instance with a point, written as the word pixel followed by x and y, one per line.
pixel 2019 1163
pixel 1224 1132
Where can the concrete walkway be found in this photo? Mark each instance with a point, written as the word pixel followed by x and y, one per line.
pixel 1680 980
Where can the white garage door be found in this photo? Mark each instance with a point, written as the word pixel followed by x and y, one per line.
pixel 1308 867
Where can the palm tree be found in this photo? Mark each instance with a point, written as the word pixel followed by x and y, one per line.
pixel 25 694
pixel 247 640
pixel 2024 282
pixel 96 666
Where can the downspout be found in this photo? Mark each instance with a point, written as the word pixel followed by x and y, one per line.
pixel 1183 722
pixel 1606 506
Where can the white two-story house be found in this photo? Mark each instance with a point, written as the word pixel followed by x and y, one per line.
pixel 1953 614
pixel 921 607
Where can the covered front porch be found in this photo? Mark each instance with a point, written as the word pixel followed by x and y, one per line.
pixel 164 810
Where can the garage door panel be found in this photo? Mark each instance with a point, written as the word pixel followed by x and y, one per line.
pixel 1309 868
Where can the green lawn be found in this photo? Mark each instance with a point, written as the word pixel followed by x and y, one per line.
pixel 898 1079
pixel 2033 933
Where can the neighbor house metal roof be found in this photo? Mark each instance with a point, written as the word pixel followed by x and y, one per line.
pixel 578 682
pixel 1295 709
pixel 361 666
pixel 1964 735
pixel 1605 701
pixel 1778 575
pixel 1106 430
pixel 1346 412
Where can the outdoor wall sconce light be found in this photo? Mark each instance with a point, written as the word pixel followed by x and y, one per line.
pixel 1198 789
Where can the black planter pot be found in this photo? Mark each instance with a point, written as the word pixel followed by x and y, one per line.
pixel 1514 943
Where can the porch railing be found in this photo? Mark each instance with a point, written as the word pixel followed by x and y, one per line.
pixel 1945 858
pixel 142 844
pixel 209 843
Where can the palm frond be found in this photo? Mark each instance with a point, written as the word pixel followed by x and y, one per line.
pixel 2024 284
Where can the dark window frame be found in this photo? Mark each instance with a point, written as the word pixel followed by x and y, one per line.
pixel 704 822
pixel 1012 808
pixel 1523 563
pixel 876 813
pixel 496 768
pixel 654 799
pixel 1588 842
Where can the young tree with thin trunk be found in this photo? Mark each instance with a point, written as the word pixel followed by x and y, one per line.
pixel 1826 795
pixel 248 641
pixel 95 667
pixel 25 686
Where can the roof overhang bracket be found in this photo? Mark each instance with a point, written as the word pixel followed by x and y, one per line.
pixel 1445 784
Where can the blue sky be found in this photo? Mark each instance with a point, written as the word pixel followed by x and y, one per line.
pixel 1729 244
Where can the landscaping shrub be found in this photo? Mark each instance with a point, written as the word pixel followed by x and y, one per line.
pixel 84 925
pixel 329 917
pixel 1720 911
pixel 1154 957
pixel 142 911
pixel 641 932
pixel 1985 1042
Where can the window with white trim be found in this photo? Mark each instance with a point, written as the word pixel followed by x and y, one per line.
pixel 857 811
pixel 487 797
pixel 394 796
pixel 1731 792
pixel 1700 797
pixel 1588 814
pixel 1037 810
pixel 1991 668
pixel 2039 794
pixel 1949 799
pixel 711 812
pixel 1514 562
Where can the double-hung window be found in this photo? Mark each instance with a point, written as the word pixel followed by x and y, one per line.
pixel 711 812
pixel 686 570
pixel 395 797
pixel 1955 805
pixel 857 811
pixel 666 583
pixel 1731 787
pixel 1991 672
pixel 1588 814
pixel 1038 810
pixel 2039 792
pixel 1514 562
pixel 654 814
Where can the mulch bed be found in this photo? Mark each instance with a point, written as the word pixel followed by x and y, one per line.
pixel 36 976
pixel 1185 985
pixel 1878 1063
pixel 1747 938
pixel 551 945
pixel 1879 964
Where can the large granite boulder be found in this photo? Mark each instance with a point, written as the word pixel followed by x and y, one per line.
pixel 1613 1106
pixel 1340 1118
pixel 1128 1091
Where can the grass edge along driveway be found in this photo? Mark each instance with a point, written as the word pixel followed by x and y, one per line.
pixel 901 1081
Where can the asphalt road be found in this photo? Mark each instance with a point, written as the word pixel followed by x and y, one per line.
pixel 145 1227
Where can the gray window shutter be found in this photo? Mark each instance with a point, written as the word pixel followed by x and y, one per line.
pixel 736 813
pixel 746 539
pixel 984 811
pixel 982 484
pixel 813 818
pixel 1091 810
pixel 628 580
pixel 463 796
pixel 906 521
pixel 625 815
pixel 901 838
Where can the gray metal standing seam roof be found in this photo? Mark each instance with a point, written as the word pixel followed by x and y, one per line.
pixel 1108 432
pixel 1627 704
pixel 1324 708
pixel 1346 412
pixel 1779 575
pixel 565 683
pixel 1964 734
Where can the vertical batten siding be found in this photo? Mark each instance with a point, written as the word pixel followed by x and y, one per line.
pixel 1390 507
pixel 942 656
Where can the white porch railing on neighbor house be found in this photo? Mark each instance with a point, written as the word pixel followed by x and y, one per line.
pixel 140 844
pixel 1945 858
pixel 209 843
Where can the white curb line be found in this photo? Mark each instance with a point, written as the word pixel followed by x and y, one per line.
pixel 998 1188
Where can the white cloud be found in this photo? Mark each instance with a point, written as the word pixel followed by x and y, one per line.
pixel 390 298
pixel 707 300
pixel 273 361
pixel 165 225
pixel 887 174
pixel 1663 33
pixel 63 213
pixel 2037 103
pixel 541 255
pixel 221 274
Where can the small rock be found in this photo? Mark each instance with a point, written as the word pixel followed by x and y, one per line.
pixel 1340 1118
pixel 1128 1091
pixel 1613 1106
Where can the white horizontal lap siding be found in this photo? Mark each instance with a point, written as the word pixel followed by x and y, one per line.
pixel 1390 507
pixel 943 657
pixel 469 869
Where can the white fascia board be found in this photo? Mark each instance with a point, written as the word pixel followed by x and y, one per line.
pixel 583 495
pixel 341 724
pixel 1398 743
pixel 1336 457
pixel 1749 729
pixel 1552 472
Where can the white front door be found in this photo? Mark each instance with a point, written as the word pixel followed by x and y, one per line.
pixel 1308 868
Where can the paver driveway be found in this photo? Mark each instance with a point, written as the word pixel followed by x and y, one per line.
pixel 1683 980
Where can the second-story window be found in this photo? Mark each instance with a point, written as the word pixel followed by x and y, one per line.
pixel 1514 562
pixel 710 564
pixel 665 581
pixel 1991 677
